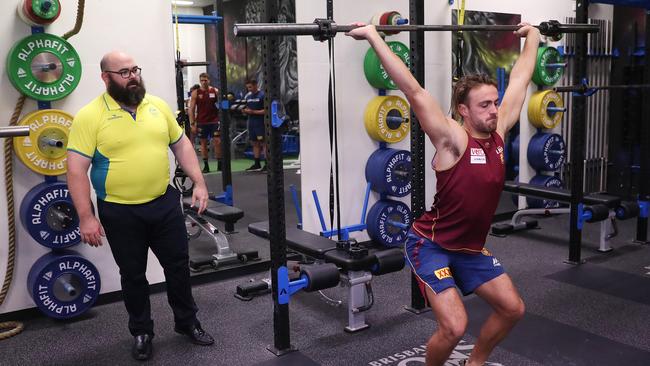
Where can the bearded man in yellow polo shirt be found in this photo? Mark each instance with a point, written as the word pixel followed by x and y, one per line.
pixel 123 136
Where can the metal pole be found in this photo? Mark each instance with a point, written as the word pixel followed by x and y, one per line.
pixel 224 115
pixel 644 142
pixel 275 184
pixel 585 88
pixel 416 15
pixel 14 131
pixel 577 143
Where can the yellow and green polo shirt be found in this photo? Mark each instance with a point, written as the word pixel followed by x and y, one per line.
pixel 129 152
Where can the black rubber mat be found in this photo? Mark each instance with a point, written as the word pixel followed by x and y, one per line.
pixel 552 343
pixel 290 359
pixel 611 282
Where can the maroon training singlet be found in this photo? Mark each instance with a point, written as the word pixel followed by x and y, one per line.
pixel 206 111
pixel 466 198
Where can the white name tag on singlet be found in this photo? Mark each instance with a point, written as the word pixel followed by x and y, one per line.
pixel 477 156
pixel 212 95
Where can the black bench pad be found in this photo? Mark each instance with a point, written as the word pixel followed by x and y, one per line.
pixel 559 194
pixel 320 247
pixel 216 210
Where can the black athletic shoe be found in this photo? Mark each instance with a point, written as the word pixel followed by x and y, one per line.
pixel 142 347
pixel 254 168
pixel 197 335
pixel 206 168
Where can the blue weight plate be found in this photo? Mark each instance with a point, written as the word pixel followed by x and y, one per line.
pixel 544 181
pixel 389 172
pixel 380 231
pixel 63 285
pixel 48 215
pixel 546 151
pixel 514 150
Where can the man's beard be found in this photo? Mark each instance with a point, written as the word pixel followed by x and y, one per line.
pixel 128 95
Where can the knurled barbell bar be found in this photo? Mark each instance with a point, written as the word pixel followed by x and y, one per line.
pixel 322 29
pixel 586 88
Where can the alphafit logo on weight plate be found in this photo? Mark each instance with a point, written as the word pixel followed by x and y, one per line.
pixel 415 356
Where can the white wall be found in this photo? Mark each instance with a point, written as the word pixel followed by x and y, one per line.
pixel 142 28
pixel 354 93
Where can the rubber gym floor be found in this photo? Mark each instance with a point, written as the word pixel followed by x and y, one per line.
pixel 597 313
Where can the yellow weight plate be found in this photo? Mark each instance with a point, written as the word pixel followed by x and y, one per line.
pixel 368 120
pixel 387 119
pixel 44 150
pixel 539 114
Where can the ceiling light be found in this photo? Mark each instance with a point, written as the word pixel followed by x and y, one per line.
pixel 182 2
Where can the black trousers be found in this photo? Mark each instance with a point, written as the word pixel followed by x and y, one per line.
pixel 131 230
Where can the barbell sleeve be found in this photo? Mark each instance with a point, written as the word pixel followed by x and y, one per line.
pixel 14 131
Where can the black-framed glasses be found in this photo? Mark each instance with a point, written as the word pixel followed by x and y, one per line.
pixel 126 73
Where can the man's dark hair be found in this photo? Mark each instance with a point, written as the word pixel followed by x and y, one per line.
pixel 464 86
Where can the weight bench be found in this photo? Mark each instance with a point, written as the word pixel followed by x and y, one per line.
pixel 357 270
pixel 607 228
pixel 227 214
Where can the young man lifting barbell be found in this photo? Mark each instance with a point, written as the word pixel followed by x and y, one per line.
pixel 445 247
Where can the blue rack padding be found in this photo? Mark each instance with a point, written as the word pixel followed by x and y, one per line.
pixel 196 19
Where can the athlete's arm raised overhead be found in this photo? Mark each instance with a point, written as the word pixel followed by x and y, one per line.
pixel 445 133
pixel 522 72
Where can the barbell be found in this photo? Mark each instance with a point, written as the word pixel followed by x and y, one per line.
pixel 322 29
pixel 585 88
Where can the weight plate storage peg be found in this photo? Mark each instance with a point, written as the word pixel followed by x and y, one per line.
pixel 374 71
pixel 545 109
pixel 388 222
pixel 44 67
pixel 387 119
pixel 388 18
pixel 39 12
pixel 389 172
pixel 549 67
pixel 546 151
pixel 63 285
pixel 48 215
pixel 44 150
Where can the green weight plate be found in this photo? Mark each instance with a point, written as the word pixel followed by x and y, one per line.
pixel 44 67
pixel 374 71
pixel 46 9
pixel 547 75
